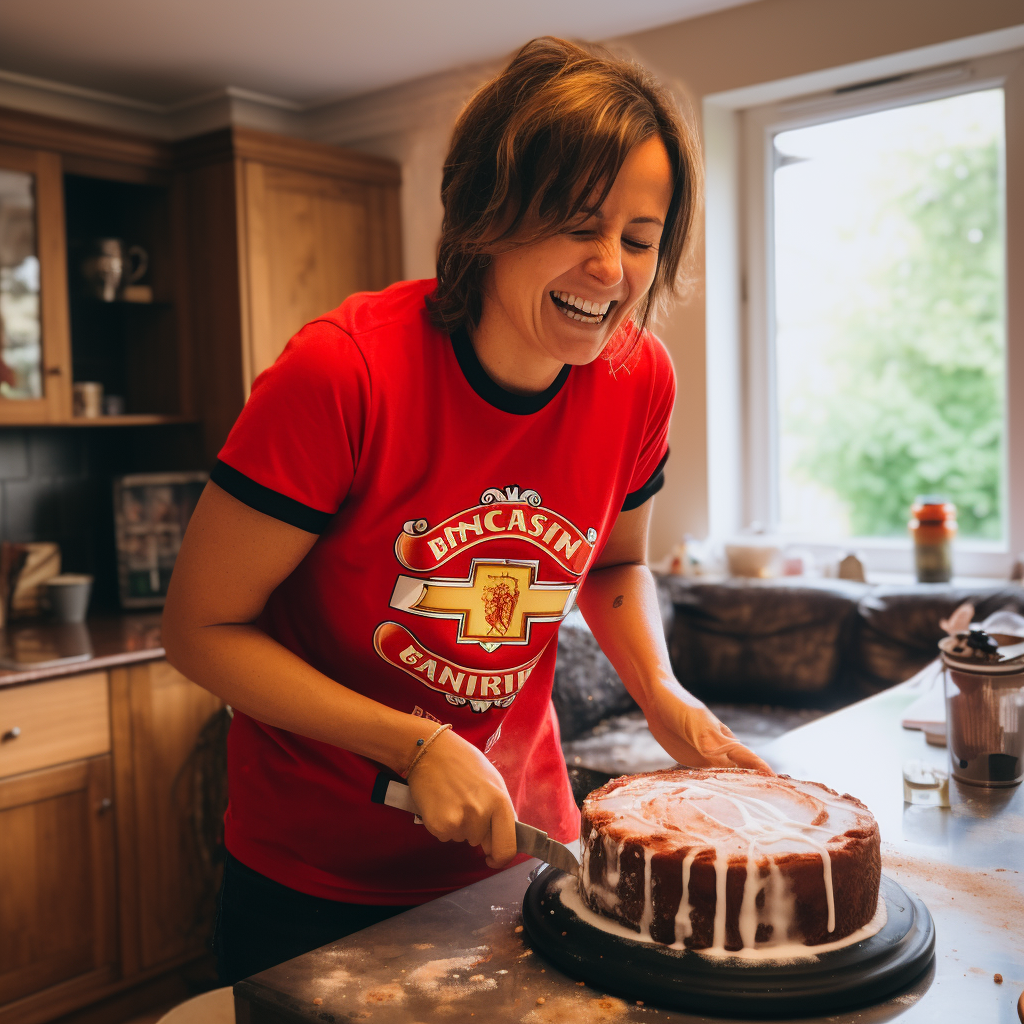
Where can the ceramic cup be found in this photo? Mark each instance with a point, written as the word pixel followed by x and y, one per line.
pixel 69 596
pixel 88 399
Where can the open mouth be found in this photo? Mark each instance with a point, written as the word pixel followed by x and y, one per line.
pixel 583 310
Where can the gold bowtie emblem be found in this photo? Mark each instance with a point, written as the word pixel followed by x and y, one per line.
pixel 494 605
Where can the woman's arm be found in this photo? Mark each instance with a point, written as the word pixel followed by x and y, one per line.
pixel 620 604
pixel 231 560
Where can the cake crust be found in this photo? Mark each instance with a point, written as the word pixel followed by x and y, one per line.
pixel 796 861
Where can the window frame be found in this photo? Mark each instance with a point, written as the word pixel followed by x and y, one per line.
pixel 743 470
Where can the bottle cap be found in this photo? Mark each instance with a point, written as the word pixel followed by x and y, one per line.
pixel 933 508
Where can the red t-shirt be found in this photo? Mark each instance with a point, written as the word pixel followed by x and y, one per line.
pixel 457 522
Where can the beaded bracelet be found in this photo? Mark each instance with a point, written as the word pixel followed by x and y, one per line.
pixel 422 745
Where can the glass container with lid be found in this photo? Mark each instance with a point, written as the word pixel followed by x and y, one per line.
pixel 984 683
pixel 933 527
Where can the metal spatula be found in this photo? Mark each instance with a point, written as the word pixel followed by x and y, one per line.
pixel 529 840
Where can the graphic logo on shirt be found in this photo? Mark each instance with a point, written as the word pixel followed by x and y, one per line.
pixel 495 604
pixel 508 514
pixel 482 689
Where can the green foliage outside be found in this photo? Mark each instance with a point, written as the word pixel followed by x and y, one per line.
pixel 921 371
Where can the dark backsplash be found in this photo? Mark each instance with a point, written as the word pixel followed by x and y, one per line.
pixel 56 484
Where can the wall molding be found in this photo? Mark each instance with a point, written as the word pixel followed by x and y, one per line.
pixel 984 44
pixel 408 107
pixel 401 108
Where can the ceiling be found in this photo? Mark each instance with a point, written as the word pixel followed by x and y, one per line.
pixel 303 51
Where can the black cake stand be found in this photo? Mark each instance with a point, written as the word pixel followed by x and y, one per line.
pixel 857 975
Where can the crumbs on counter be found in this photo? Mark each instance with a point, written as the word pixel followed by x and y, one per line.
pixel 318 1001
pixel 997 978
pixel 393 993
pixel 518 928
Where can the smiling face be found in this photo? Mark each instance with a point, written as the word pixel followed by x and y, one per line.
pixel 560 300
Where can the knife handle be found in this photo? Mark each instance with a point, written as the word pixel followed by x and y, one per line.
pixel 529 840
pixel 393 793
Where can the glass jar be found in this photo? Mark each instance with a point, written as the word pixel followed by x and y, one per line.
pixel 985 721
pixel 933 527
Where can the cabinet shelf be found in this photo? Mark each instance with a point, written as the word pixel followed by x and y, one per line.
pixel 134 349
pixel 122 303
pixel 126 420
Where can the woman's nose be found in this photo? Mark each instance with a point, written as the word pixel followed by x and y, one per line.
pixel 605 264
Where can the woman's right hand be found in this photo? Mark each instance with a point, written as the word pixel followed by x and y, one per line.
pixel 461 797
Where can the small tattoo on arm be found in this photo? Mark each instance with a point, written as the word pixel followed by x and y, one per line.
pixel 617 603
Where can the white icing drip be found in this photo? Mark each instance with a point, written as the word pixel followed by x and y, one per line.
pixel 683 923
pixel 609 900
pixel 648 915
pixel 782 952
pixel 780 904
pixel 611 874
pixel 826 863
pixel 721 876
pixel 748 920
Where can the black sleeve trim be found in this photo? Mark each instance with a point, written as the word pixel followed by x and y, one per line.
pixel 269 502
pixel 657 480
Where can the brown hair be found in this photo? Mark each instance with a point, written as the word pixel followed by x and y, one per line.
pixel 537 144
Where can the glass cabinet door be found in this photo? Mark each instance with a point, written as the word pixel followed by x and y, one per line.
pixel 21 350
pixel 35 354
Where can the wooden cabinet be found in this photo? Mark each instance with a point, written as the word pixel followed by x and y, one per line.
pixel 135 342
pixel 88 185
pixel 311 239
pixel 249 235
pixel 165 910
pixel 280 231
pixel 58 908
pixel 52 722
pixel 103 881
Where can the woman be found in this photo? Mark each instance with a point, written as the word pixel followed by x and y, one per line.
pixel 416 494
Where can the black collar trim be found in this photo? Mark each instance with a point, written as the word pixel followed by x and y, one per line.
pixel 494 394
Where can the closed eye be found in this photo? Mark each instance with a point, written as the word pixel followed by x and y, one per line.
pixel 634 243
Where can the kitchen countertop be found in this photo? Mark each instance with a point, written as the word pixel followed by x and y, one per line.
pixel 105 640
pixel 460 957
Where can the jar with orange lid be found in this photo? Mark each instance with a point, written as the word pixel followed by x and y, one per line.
pixel 933 528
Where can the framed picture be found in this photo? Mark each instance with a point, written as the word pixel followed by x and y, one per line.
pixel 151 511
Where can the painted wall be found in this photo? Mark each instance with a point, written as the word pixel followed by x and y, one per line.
pixel 744 46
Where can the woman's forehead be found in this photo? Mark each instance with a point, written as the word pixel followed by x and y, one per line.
pixel 643 186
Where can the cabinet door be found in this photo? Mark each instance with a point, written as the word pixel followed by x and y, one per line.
pixel 57 885
pixel 35 353
pixel 310 240
pixel 166 895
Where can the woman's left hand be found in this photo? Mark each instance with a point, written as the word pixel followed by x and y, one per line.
pixel 691 734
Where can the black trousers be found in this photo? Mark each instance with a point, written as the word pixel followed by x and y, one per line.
pixel 261 923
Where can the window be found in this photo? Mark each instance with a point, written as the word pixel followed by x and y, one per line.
pixel 875 265
pixel 889 336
